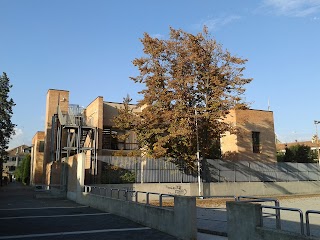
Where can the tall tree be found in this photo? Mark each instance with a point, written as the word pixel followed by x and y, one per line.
pixel 190 84
pixel 6 126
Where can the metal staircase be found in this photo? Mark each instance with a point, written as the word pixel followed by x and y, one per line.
pixel 74 135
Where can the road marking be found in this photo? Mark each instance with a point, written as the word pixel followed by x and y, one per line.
pixel 75 233
pixel 56 216
pixel 15 209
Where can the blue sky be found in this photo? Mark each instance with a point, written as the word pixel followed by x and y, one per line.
pixel 87 47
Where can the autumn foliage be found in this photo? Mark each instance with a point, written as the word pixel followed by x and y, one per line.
pixel 190 85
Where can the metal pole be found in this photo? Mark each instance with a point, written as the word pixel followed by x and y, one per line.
pixel 198 155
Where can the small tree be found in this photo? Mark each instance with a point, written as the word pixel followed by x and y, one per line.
pixel 190 85
pixel 22 172
pixel 6 126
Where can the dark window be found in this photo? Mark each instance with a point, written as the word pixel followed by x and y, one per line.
pixel 41 146
pixel 12 168
pixel 256 142
pixel 109 139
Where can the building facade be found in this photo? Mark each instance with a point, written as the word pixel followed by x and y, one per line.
pixel 37 156
pixel 253 138
pixel 71 129
pixel 14 159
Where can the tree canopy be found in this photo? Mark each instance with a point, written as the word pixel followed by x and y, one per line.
pixel 22 172
pixel 6 126
pixel 298 153
pixel 191 83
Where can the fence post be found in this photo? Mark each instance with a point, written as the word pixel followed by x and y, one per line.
pixel 248 214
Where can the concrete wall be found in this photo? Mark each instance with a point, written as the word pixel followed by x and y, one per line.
pixel 261 189
pixel 76 175
pixel 182 189
pixel 179 222
pixel 224 189
pixel 244 223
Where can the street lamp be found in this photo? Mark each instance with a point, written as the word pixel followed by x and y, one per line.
pixel 198 153
pixel 316 124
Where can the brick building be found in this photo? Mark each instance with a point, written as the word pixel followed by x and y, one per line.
pixel 71 129
pixel 253 139
pixel 37 153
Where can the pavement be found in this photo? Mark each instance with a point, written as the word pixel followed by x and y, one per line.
pixel 23 216
pixel 213 219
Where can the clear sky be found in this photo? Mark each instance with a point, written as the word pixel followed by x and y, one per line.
pixel 87 47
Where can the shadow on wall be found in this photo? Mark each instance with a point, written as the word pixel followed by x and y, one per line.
pixel 255 171
pixel 245 143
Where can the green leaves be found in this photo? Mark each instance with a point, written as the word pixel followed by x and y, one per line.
pixel 6 104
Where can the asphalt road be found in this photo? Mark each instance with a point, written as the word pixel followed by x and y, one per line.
pixel 24 217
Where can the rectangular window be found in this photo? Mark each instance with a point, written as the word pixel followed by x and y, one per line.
pixel 109 139
pixel 41 146
pixel 256 142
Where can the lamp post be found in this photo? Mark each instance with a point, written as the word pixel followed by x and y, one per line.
pixel 198 153
pixel 317 140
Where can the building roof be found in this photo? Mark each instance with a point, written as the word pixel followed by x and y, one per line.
pixel 17 150
pixel 282 146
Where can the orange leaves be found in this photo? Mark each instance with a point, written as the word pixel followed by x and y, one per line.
pixel 181 74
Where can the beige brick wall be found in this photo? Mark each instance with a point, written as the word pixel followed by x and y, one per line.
pixel 37 174
pixel 54 98
pixel 239 146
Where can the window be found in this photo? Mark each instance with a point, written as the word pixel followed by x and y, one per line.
pixel 256 142
pixel 41 146
pixel 109 139
pixel 12 168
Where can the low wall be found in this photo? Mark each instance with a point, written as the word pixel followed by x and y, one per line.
pixel 261 188
pixel 244 223
pixel 224 188
pixel 179 222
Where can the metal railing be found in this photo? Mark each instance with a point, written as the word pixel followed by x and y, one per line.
pixel 287 209
pixel 308 221
pixel 276 204
pixel 115 193
pixel 216 196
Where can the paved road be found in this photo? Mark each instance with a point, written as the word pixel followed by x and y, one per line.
pixel 214 219
pixel 24 217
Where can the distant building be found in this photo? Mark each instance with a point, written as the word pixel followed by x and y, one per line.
pixel 253 139
pixel 281 147
pixel 14 159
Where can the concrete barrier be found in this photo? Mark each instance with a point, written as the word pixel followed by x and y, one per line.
pixel 224 188
pixel 244 223
pixel 179 222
